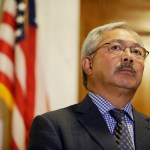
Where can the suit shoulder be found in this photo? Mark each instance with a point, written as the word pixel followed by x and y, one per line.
pixel 63 114
pixel 141 116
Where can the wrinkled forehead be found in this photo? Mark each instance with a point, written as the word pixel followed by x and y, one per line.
pixel 121 34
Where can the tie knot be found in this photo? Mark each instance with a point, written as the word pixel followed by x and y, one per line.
pixel 117 114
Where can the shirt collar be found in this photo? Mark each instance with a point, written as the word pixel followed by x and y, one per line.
pixel 105 106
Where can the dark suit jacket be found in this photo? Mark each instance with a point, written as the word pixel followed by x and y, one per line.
pixel 82 127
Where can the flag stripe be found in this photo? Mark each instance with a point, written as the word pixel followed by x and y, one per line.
pixel 8 19
pixel 6 49
pixel 10 7
pixel 20 142
pixel 19 97
pixel 4 30
pixel 6 81
pixel 9 70
pixel 21 63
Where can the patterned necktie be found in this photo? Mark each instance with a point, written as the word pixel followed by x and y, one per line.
pixel 121 133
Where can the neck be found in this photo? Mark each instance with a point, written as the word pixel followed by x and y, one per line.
pixel 117 96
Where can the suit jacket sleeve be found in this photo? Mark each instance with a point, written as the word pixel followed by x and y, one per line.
pixel 43 135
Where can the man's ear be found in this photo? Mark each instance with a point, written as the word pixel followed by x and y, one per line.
pixel 87 65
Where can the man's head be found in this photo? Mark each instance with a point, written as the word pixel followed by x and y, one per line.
pixel 112 55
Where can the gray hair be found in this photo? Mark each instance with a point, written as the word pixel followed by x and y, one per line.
pixel 95 37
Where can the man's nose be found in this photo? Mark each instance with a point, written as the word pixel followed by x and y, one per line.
pixel 127 56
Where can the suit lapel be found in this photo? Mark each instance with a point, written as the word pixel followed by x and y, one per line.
pixel 94 123
pixel 142 131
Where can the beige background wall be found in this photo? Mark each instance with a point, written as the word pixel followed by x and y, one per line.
pixel 58 42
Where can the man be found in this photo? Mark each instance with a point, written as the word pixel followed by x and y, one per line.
pixel 112 69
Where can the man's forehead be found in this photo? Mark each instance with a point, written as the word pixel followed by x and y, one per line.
pixel 119 33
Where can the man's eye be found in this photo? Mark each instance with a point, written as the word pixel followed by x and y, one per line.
pixel 116 47
pixel 137 52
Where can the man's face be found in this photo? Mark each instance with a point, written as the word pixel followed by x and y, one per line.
pixel 109 70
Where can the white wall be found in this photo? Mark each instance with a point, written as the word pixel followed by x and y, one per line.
pixel 58 33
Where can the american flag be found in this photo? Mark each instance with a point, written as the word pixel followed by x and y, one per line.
pixel 19 86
